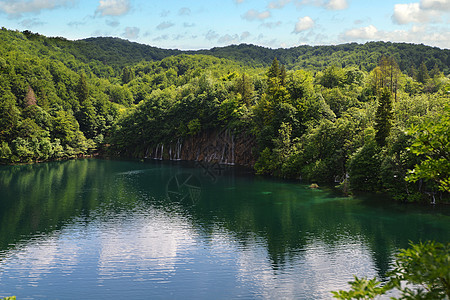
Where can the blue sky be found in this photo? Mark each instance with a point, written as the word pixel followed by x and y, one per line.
pixel 201 24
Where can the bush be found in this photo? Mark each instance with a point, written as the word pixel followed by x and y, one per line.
pixel 424 267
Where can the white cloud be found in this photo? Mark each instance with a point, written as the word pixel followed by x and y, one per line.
pixel 303 24
pixel 278 4
pixel 21 6
pixel 425 34
pixel 113 7
pixel 363 33
pixel 164 25
pixel 419 34
pixel 413 13
pixel 239 1
pixel 255 15
pixel 443 5
pixel 131 33
pixel 337 4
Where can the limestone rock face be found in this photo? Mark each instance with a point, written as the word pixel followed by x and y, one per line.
pixel 223 147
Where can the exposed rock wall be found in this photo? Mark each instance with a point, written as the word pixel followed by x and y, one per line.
pixel 222 147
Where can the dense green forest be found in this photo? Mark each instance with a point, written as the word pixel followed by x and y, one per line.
pixel 372 117
pixel 119 53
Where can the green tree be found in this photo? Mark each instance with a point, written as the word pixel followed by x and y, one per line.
pixel 422 73
pixel 364 166
pixel 5 153
pixel 383 117
pixel 331 77
pixel 244 87
pixel 432 144
pixel 82 89
pixel 127 75
pixel 424 265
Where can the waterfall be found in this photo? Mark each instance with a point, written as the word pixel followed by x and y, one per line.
pixel 225 144
pixel 156 152
pixel 178 154
pixel 162 151
pixel 170 152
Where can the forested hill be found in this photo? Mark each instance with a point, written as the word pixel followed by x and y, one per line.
pixel 373 117
pixel 301 57
pixel 318 57
pixel 118 53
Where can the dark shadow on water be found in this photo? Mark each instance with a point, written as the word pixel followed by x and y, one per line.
pixel 285 216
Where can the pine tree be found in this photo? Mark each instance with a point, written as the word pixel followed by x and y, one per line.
pixel 274 70
pixel 435 72
pixel 245 88
pixel 383 117
pixel 283 75
pixel 422 73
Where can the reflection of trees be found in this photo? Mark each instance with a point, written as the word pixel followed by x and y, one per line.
pixel 40 198
pixel 287 216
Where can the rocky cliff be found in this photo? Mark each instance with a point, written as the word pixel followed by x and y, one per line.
pixel 223 147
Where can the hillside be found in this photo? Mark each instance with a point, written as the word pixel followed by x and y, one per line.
pixel 301 57
pixel 118 53
pixel 344 113
pixel 318 57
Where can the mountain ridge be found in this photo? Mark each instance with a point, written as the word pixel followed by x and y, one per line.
pixel 118 53
pixel 294 57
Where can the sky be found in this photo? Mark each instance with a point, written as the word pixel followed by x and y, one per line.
pixel 203 24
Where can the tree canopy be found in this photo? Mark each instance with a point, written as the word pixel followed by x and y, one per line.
pixel 364 117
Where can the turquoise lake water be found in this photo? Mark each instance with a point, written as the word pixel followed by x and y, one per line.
pixel 110 229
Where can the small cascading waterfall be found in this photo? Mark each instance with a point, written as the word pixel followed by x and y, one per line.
pixel 156 152
pixel 179 144
pixel 224 147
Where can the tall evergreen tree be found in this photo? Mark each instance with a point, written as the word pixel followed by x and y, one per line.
pixel 383 117
pixel 283 75
pixel 422 73
pixel 274 70
pixel 244 87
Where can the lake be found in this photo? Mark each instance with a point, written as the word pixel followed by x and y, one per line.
pixel 98 229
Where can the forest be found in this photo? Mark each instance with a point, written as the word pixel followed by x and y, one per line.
pixel 372 117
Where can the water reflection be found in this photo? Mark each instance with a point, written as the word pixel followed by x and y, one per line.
pixel 95 228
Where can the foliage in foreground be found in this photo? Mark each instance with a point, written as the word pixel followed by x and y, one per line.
pixel 420 272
